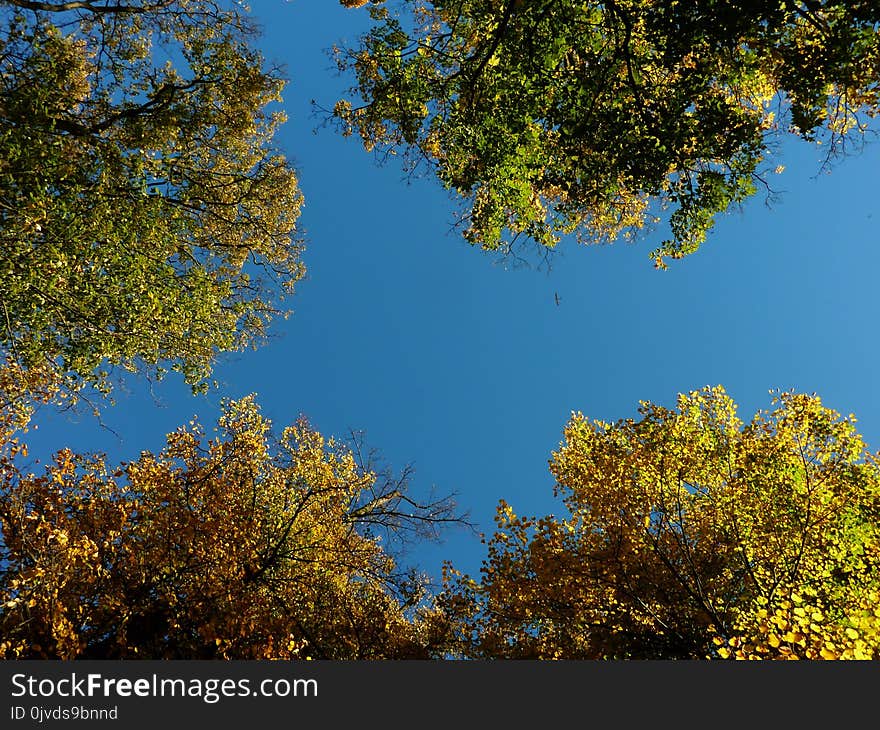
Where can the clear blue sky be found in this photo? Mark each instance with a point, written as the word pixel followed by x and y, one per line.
pixel 469 369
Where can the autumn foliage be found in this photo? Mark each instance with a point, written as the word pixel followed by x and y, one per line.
pixel 244 547
pixel 690 535
pixel 149 222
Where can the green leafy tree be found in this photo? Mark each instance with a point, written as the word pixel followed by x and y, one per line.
pixel 689 535
pixel 147 219
pixel 550 117
pixel 245 547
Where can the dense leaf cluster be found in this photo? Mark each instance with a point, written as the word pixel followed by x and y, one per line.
pixel 247 547
pixel 144 210
pixel 690 535
pixel 550 117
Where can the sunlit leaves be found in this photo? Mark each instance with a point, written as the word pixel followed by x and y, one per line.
pixel 599 119
pixel 147 219
pixel 245 546
pixel 690 535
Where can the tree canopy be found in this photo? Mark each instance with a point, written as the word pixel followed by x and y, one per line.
pixel 245 547
pixel 690 535
pixel 550 117
pixel 148 221
pixel 147 217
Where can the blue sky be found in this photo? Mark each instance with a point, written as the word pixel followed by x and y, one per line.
pixel 467 368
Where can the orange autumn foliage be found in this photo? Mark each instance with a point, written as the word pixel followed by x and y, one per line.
pixel 245 547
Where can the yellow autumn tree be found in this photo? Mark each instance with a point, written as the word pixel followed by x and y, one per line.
pixel 689 534
pixel 246 546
